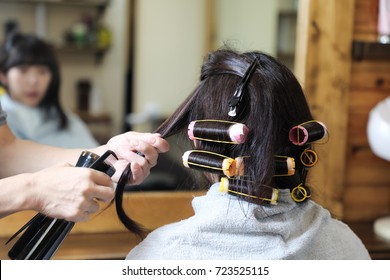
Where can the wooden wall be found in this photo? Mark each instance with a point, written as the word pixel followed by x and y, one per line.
pixel 367 182
pixel 151 209
pixel 322 65
pixel 104 236
pixel 350 180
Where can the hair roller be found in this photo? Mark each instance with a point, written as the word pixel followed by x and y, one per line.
pixel 218 131
pixel 284 166
pixel 307 132
pixel 210 162
pixel 236 187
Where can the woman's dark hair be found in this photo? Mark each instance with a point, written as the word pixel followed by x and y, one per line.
pixel 272 104
pixel 24 49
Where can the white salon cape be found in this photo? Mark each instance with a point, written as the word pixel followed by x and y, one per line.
pixel 3 116
pixel 226 227
pixel 31 123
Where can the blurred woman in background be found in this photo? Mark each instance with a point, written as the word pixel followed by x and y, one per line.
pixel 29 72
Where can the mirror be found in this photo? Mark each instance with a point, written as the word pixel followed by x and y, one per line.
pixel 160 44
pixel 172 37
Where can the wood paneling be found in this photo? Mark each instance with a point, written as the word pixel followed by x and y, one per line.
pixel 365 19
pixel 367 179
pixel 151 209
pixel 372 75
pixel 103 236
pixel 364 168
pixel 341 92
pixel 366 202
pixel 325 35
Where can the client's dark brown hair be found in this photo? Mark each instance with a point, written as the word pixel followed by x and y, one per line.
pixel 273 102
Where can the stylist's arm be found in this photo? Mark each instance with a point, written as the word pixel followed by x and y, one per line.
pixel 42 178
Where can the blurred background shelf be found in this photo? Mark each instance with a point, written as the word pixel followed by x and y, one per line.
pixel 370 50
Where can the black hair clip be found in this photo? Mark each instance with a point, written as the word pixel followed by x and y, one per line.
pixel 237 97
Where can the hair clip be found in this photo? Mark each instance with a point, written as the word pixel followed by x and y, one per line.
pixel 307 132
pixel 238 94
pixel 309 157
pixel 210 162
pixel 284 166
pixel 300 193
pixel 218 131
pixel 270 194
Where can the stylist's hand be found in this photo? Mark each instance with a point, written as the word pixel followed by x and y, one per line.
pixel 70 193
pixel 126 146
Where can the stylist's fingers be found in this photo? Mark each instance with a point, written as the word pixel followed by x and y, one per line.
pixel 87 210
pixel 138 171
pixel 127 145
pixel 100 188
pixel 153 139
pixel 104 189
pixel 67 192
pixel 140 149
pixel 145 152
pixel 158 142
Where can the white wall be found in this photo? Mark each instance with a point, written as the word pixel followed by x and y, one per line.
pixel 247 24
pixel 23 13
pixel 170 40
pixel 169 48
pixel 112 73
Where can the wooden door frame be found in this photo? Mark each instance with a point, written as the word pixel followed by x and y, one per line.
pixel 322 64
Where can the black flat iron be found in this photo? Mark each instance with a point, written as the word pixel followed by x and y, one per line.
pixel 43 235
